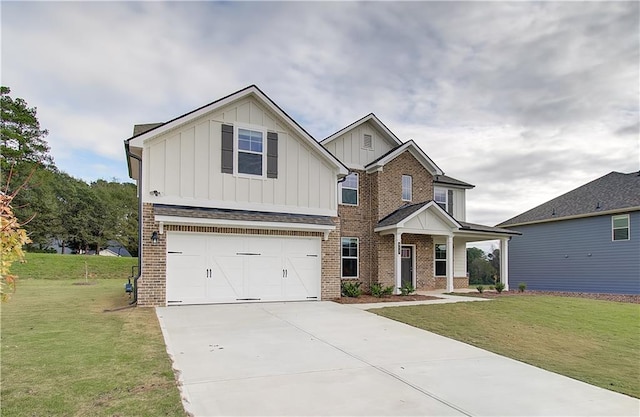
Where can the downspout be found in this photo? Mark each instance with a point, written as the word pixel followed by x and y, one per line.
pixel 140 221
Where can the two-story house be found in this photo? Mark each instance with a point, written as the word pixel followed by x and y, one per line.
pixel 239 203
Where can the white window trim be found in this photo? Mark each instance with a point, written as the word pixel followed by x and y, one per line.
pixel 439 260
pixel 357 258
pixel 349 188
pixel 410 188
pixel 446 197
pixel 613 228
pixel 236 150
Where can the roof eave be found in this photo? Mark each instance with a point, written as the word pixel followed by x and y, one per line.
pixel 577 216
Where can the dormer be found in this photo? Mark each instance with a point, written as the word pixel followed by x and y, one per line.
pixel 449 194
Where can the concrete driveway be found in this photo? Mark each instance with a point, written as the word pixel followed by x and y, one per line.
pixel 322 358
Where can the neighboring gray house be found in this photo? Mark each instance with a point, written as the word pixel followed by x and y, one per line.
pixel 587 240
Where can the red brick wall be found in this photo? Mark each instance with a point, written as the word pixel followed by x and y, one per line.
pixel 458 282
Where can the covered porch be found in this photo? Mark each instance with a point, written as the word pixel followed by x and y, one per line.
pixel 427 248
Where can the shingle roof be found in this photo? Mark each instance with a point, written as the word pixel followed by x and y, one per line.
pixel 482 228
pixel 613 191
pixel 143 128
pixel 401 214
pixel 242 215
pixel 445 179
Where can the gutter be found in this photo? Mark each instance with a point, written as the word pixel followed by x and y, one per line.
pixel 135 279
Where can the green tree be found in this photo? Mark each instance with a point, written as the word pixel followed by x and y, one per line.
pixel 494 259
pixel 480 269
pixel 120 219
pixel 22 144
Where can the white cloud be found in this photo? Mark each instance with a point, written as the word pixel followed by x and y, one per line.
pixel 526 100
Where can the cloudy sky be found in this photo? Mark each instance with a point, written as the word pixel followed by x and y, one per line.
pixel 524 100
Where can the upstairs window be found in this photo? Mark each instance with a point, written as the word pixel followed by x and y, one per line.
pixel 620 227
pixel 407 187
pixel 250 152
pixel 440 197
pixel 349 190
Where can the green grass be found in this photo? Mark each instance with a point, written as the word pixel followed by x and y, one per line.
pixel 62 355
pixel 593 341
pixel 64 267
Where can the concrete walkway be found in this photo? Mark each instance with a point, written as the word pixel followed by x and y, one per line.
pixel 443 299
pixel 323 358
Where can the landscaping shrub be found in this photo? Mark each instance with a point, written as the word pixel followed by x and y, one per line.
pixel 377 290
pixel 351 289
pixel 499 287
pixel 407 289
pixel 480 289
pixel 522 286
pixel 387 290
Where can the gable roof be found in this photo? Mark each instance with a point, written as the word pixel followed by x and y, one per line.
pixel 142 133
pixel 444 179
pixel 368 118
pixel 414 149
pixel 611 193
pixel 405 213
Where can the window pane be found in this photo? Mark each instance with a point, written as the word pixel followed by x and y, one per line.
pixel 621 234
pixel 244 144
pixel 441 268
pixel 249 163
pixel 440 195
pixel 349 196
pixel 351 181
pixel 441 251
pixel 349 267
pixel 620 222
pixel 406 187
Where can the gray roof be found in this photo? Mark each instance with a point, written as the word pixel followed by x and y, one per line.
pixel 473 227
pixel 614 191
pixel 445 179
pixel 143 128
pixel 401 214
pixel 406 211
pixel 242 215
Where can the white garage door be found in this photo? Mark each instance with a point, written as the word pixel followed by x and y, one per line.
pixel 203 268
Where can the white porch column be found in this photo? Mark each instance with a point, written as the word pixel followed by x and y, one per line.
pixel 397 240
pixel 449 263
pixel 504 262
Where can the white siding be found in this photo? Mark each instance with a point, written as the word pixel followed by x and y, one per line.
pixel 459 205
pixel 184 165
pixel 427 222
pixel 459 258
pixel 348 147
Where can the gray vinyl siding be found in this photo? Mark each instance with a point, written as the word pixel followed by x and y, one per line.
pixel 576 255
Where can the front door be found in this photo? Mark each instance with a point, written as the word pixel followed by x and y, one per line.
pixel 406 255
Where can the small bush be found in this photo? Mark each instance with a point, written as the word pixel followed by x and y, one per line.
pixel 376 289
pixel 492 287
pixel 351 289
pixel 522 286
pixel 407 289
pixel 499 287
pixel 480 289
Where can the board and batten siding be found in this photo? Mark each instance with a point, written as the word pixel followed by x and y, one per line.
pixel 349 147
pixel 184 165
pixel 459 204
pixel 576 255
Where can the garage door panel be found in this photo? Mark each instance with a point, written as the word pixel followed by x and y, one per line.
pixel 264 277
pixel 226 281
pixel 205 268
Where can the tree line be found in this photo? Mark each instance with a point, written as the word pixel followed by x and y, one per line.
pixel 483 268
pixel 52 205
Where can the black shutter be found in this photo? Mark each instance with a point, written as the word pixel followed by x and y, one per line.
pixel 227 149
pixel 272 155
pixel 450 201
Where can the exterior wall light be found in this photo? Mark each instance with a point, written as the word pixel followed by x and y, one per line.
pixel 154 238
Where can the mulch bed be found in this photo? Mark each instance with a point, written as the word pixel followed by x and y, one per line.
pixel 366 299
pixel 606 297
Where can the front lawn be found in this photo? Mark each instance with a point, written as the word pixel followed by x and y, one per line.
pixel 62 355
pixel 594 341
